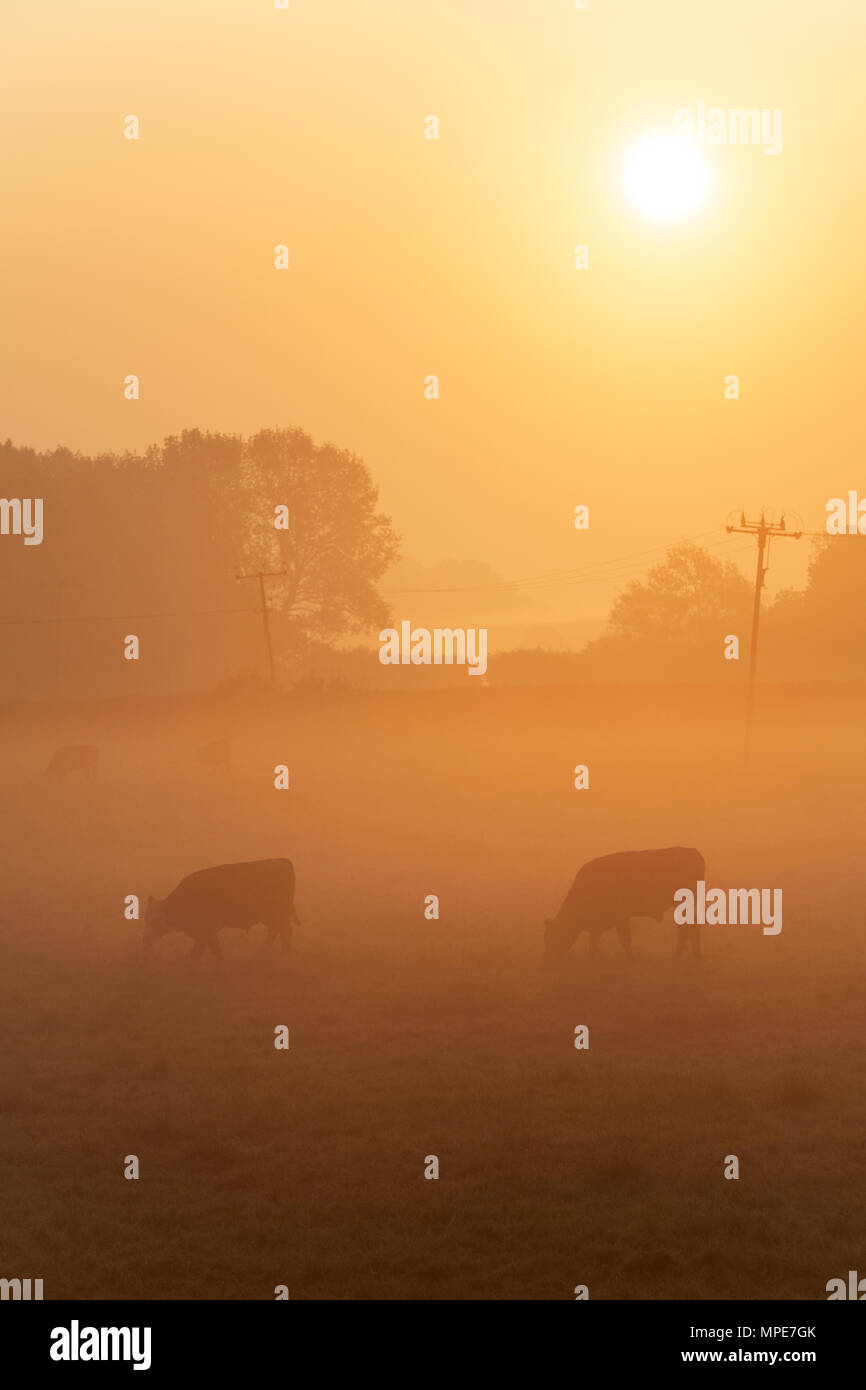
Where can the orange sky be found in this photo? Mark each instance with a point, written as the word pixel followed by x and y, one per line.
pixel 453 257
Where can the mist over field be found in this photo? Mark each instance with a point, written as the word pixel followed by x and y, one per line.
pixel 432 560
pixel 412 1037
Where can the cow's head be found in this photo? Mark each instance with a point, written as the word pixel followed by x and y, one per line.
pixel 154 920
pixel 556 939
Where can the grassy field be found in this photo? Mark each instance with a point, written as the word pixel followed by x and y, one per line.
pixel 411 1037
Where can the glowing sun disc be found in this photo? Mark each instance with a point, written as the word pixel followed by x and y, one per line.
pixel 664 177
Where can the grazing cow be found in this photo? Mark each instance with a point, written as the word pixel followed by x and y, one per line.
pixel 229 895
pixel 609 891
pixel 217 755
pixel 82 757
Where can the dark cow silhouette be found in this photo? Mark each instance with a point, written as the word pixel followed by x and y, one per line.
pixel 217 755
pixel 82 757
pixel 229 895
pixel 609 891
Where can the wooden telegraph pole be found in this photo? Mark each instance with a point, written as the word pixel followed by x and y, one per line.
pixel 261 576
pixel 763 531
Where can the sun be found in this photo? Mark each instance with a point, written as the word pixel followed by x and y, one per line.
pixel 664 177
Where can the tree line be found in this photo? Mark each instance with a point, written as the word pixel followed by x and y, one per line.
pixel 152 543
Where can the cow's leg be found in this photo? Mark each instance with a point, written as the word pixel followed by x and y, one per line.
pixel 688 935
pixel 286 933
pixel 197 948
pixel 215 946
pixel 623 931
pixel 594 939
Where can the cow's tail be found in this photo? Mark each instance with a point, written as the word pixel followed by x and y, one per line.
pixel 295 918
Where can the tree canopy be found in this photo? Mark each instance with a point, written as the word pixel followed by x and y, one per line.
pixel 152 544
pixel 680 597
pixel 336 546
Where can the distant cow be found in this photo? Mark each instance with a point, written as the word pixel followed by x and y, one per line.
pixel 217 755
pixel 82 757
pixel 609 891
pixel 230 895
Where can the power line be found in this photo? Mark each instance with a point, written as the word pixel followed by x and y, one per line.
pixel 560 578
pixel 615 560
pixel 556 574
pixel 615 577
pixel 130 617
pixel 626 574
pixel 556 579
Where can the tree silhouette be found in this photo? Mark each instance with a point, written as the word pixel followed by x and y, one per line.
pixel 822 629
pixel 681 597
pixel 831 599
pixel 159 537
pixel 672 624
pixel 337 544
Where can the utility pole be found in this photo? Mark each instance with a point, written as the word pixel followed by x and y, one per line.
pixel 261 576
pixel 763 531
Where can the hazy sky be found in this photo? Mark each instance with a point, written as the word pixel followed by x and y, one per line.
pixel 455 257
